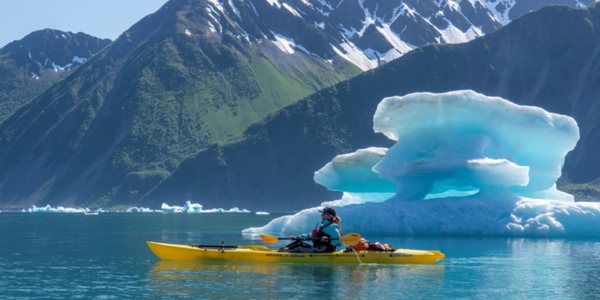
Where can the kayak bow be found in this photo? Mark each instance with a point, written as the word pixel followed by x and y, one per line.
pixel 254 253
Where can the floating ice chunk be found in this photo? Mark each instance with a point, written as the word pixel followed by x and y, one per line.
pixel 353 173
pixel 522 136
pixel 171 209
pixel 487 156
pixel 60 209
pixel 190 207
pixel 302 222
pixel 139 210
pixel 465 216
pixel 358 198
pixel 262 213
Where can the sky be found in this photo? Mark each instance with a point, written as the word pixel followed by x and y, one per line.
pixel 99 18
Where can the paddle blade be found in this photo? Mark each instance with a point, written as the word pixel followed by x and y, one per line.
pixel 350 239
pixel 269 239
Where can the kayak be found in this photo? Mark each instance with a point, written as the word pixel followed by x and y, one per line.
pixel 255 253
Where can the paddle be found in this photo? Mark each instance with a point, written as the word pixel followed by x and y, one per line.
pixel 349 239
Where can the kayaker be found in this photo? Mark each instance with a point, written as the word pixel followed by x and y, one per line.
pixel 329 229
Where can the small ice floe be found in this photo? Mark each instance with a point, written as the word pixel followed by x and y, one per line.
pixel 60 209
pixel 262 213
pixel 190 207
pixel 139 210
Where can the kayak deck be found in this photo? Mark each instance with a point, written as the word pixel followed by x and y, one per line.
pixel 253 253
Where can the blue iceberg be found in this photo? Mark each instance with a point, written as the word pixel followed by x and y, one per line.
pixel 463 164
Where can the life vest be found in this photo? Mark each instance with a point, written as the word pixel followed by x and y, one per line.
pixel 319 233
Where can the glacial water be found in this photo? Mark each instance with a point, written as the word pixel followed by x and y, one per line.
pixel 77 256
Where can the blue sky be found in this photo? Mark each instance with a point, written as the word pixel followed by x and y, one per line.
pixel 100 18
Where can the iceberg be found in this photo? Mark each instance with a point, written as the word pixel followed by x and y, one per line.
pixel 463 164
pixel 59 209
pixel 139 210
pixel 190 207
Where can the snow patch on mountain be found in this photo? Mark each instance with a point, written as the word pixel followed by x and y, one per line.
pixel 274 3
pixel 292 10
pixel 454 35
pixel 500 8
pixel 356 56
pixel 237 11
pixel 284 44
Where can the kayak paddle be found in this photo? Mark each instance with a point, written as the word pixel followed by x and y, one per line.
pixel 349 239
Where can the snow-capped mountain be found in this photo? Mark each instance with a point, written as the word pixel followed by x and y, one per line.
pixel 32 64
pixel 365 32
pixel 368 32
pixel 53 50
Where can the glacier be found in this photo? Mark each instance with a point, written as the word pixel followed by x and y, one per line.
pixel 464 164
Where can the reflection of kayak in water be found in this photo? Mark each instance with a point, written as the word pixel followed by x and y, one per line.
pixel 253 253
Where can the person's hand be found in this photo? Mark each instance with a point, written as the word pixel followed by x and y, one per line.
pixel 324 239
pixel 292 237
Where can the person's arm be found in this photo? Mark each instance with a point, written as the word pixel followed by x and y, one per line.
pixel 333 230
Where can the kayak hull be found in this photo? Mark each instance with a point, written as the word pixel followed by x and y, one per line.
pixel 264 255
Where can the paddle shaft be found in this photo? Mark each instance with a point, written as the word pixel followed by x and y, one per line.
pixel 349 239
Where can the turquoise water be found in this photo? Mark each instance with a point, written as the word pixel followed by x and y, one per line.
pixel 74 256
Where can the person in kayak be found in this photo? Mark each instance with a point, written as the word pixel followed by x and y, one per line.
pixel 329 229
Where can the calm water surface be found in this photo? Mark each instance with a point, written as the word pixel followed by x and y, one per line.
pixel 74 256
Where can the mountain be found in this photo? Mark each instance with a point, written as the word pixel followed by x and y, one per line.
pixel 371 32
pixel 549 58
pixel 367 33
pixel 175 82
pixel 30 65
pixel 508 10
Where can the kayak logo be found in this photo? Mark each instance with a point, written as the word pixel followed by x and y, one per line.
pixel 286 255
pixel 400 255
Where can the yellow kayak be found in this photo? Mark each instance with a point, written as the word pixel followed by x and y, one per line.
pixel 254 253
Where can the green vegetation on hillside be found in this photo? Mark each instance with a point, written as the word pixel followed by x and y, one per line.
pixel 125 119
pixel 582 192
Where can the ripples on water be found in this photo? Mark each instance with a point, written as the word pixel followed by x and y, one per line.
pixel 58 256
